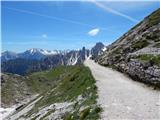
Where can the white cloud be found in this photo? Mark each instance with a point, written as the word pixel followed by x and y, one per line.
pixel 93 32
pixel 44 36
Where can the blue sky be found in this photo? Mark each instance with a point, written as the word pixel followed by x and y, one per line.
pixel 68 25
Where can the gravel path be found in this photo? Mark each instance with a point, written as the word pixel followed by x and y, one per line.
pixel 123 98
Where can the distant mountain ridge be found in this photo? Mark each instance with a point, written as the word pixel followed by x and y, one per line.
pixel 8 55
pixel 38 59
pixel 34 54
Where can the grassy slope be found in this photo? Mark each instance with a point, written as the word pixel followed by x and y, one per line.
pixel 45 80
pixel 65 84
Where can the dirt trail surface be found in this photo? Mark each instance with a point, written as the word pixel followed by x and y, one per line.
pixel 123 98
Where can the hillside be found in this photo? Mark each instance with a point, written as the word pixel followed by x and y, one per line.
pixel 137 52
pixel 66 92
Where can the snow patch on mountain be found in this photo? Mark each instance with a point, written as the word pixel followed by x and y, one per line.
pixel 74 61
pixel 104 49
pixel 44 52
pixel 34 53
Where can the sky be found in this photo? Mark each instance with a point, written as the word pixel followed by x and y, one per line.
pixel 68 25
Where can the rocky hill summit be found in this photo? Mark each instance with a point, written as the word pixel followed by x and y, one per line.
pixel 97 49
pixel 137 52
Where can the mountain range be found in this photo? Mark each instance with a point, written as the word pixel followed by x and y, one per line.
pixel 34 54
pixel 33 60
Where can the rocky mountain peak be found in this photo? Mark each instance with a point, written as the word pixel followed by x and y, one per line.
pixel 97 49
pixel 99 44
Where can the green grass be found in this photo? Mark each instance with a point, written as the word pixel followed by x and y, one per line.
pixel 154 59
pixel 88 113
pixel 42 81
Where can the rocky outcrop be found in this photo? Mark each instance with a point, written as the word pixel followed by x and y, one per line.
pixel 97 50
pixel 137 52
pixel 141 71
pixel 148 50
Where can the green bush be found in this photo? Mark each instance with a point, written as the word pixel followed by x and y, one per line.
pixel 140 44
pixel 98 109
